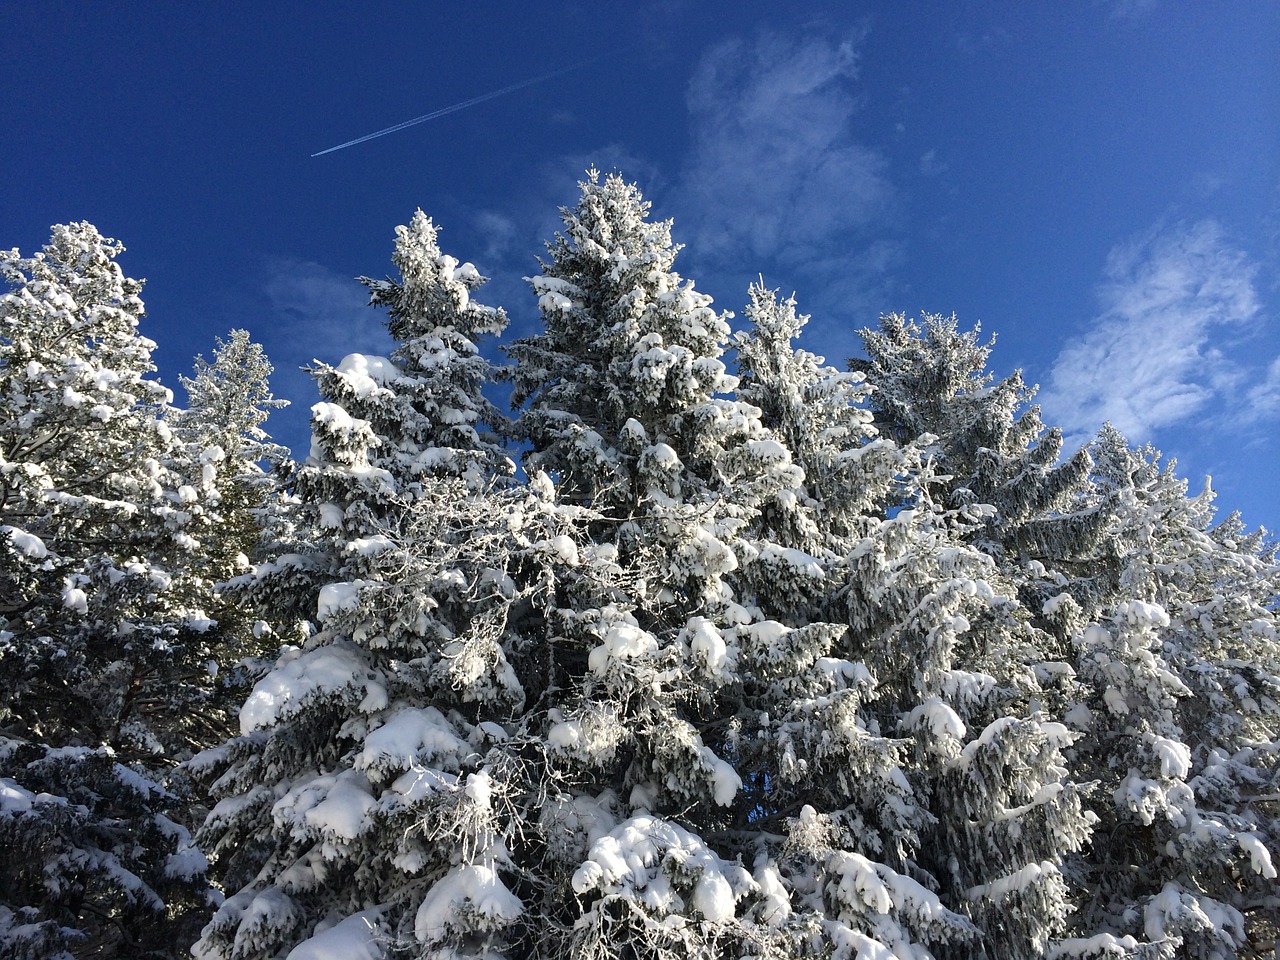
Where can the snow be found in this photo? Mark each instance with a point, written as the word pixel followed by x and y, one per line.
pixel 1259 855
pixel 480 788
pixel 1174 757
pixel 1055 603
pixel 331 516
pixel 1013 883
pixel 14 798
pixel 561 547
pixel 186 862
pixel 1101 945
pixel 940 718
pixel 415 785
pixel 769 451
pixel 336 805
pixel 27 544
pixel 74 599
pixel 642 857
pixel 358 937
pixel 713 897
pixel 283 692
pixel 797 562
pixel 663 456
pixel 725 782
pixel 373 546
pixel 775 903
pixel 707 645
pixel 862 881
pixel 565 735
pixel 622 641
pixel 365 375
pixel 1143 797
pixel 414 735
pixel 474 890
pixel 1140 613
pixel 1115 701
pixel 989 733
pixel 337 597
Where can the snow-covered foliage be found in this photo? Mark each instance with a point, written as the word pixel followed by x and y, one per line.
pixel 103 683
pixel 234 473
pixel 1180 715
pixel 801 662
pixel 433 418
pixel 822 416
pixel 370 777
pixel 989 447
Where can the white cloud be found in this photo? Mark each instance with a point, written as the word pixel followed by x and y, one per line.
pixel 1173 301
pixel 1131 9
pixel 318 314
pixel 931 166
pixel 498 233
pixel 1264 397
pixel 775 171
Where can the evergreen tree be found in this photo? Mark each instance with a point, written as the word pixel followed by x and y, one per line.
pixel 453 427
pixel 795 663
pixel 227 457
pixel 822 415
pixel 364 800
pixel 987 441
pixel 1180 716
pixel 226 450
pixel 626 410
pixel 959 673
pixel 690 719
pixel 102 667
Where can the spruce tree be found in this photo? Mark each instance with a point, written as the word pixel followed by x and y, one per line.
pixel 103 665
pixel 823 416
pixel 626 412
pixel 226 451
pixel 1179 715
pixel 987 440
pixel 223 452
pixel 364 801
pixel 701 695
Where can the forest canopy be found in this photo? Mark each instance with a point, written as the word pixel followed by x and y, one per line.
pixel 707 648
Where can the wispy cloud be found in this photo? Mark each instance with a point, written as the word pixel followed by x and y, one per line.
pixel 776 172
pixel 1173 300
pixel 320 314
pixel 1264 397
pixel 1131 9
pixel 931 166
pixel 312 313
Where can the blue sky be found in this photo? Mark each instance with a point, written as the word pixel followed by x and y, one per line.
pixel 1097 183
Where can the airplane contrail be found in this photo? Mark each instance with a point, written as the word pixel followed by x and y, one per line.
pixel 454 108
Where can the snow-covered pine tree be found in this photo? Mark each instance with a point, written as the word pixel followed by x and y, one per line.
pixel 658 843
pixel 990 445
pixel 227 451
pixel 1180 716
pixel 943 747
pixel 626 410
pixel 838 780
pixel 627 400
pixel 225 455
pixel 958 673
pixel 454 428
pixel 822 416
pixel 366 801
pixel 102 670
